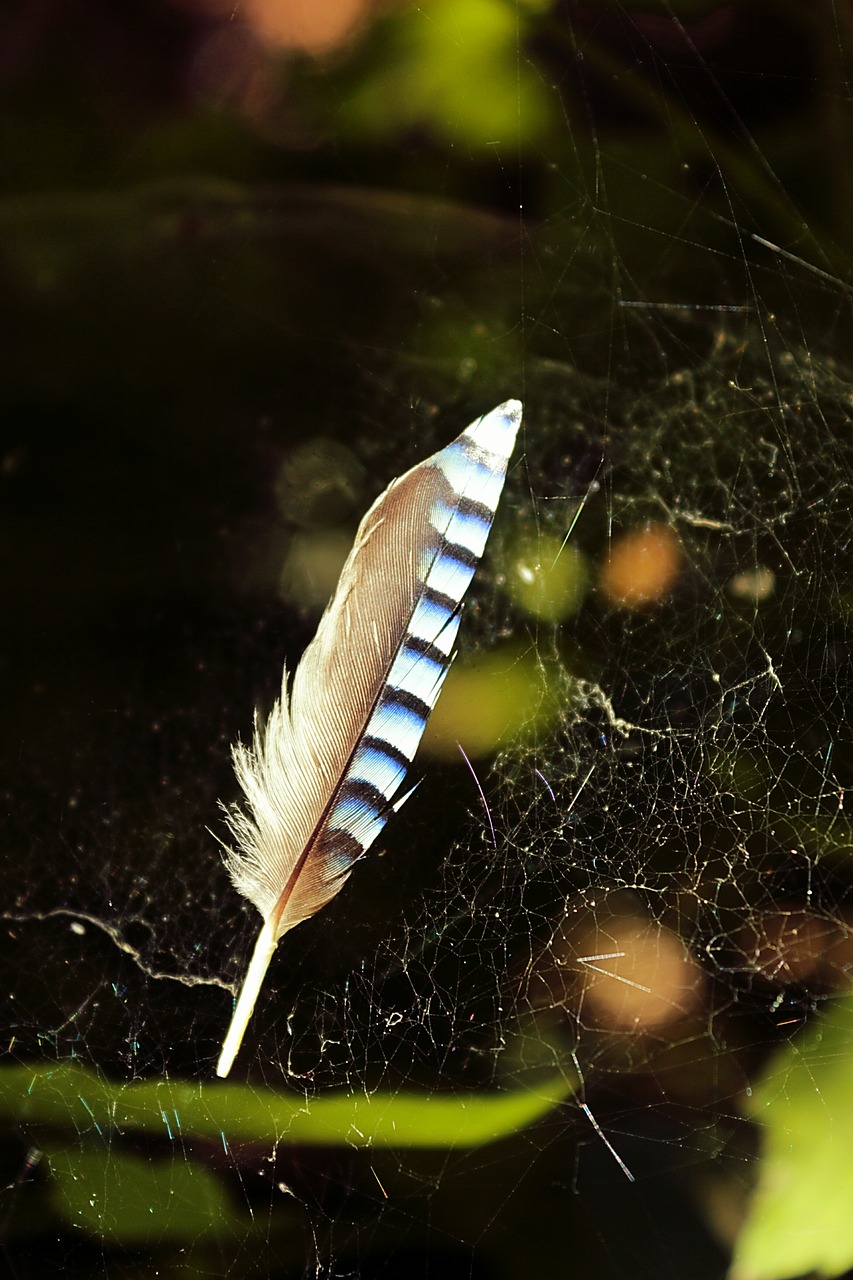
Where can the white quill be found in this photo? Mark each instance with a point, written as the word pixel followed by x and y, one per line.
pixel 323 775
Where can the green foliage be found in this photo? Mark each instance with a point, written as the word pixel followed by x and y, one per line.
pixel 171 1196
pixel 138 1202
pixel 455 70
pixel 72 1096
pixel 799 1221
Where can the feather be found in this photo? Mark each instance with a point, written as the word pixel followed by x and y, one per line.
pixel 324 774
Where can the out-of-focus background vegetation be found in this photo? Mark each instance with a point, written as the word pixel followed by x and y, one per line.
pixel 738 110
pixel 256 258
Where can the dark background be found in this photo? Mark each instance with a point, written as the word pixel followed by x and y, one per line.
pixel 226 234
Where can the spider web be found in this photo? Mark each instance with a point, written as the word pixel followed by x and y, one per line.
pixel 645 885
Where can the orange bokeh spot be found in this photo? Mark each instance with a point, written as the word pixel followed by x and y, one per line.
pixel 313 25
pixel 642 566
pixel 638 975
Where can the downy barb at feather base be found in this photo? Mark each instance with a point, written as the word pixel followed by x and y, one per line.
pixel 324 773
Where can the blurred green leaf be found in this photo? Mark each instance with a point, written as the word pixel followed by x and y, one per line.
pixel 800 1220
pixel 137 1201
pixel 453 67
pixel 490 700
pixel 69 1095
pixel 546 577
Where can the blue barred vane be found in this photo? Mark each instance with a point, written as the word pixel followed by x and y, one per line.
pixel 325 772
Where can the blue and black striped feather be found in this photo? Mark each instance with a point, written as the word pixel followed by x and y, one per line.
pixel 326 770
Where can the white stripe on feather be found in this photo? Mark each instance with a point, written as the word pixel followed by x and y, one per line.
pixel 417 674
pixel 469 531
pixel 356 820
pixel 473 475
pixel 496 431
pixel 399 727
pixel 432 623
pixel 371 764
pixel 449 577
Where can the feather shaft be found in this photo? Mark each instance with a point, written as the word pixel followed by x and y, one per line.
pixel 255 974
pixel 324 774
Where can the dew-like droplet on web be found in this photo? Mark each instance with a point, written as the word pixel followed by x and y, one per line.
pixel 754 585
pixel 546 577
